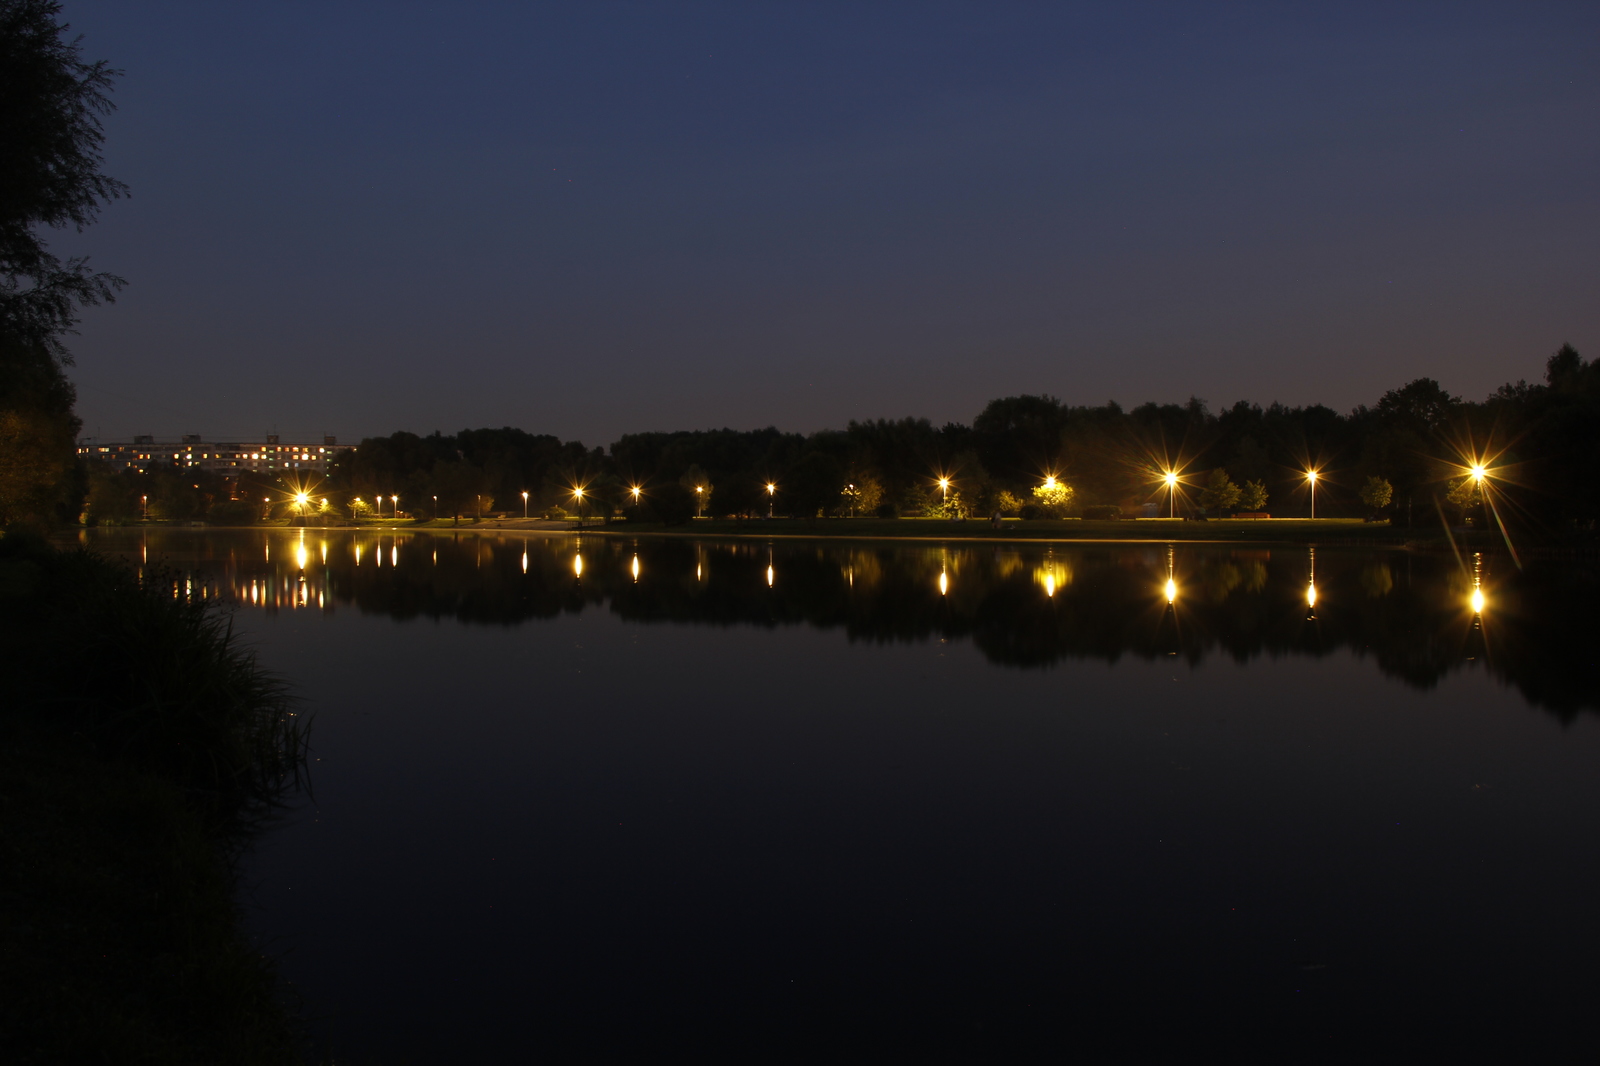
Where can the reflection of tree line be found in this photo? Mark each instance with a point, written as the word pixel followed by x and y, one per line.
pixel 1410 613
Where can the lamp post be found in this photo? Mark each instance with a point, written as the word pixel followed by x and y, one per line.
pixel 436 508
pixel 524 506
pixel 578 495
pixel 944 487
pixel 1311 476
pixel 771 488
pixel 1171 478
pixel 144 507
pixel 699 501
pixel 394 507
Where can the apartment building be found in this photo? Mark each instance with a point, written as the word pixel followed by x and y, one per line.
pixel 145 453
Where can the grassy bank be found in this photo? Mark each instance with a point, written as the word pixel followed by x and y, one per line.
pixel 1322 531
pixel 1066 529
pixel 140 747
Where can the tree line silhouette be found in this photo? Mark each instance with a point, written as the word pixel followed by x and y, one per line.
pixel 1407 456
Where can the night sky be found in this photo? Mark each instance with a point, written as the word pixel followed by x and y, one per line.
pixel 588 219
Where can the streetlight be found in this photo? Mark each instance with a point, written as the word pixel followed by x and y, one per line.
pixel 944 487
pixel 524 506
pixel 1171 478
pixel 436 508
pixel 1311 476
pixel 699 501
pixel 394 507
pixel 771 488
pixel 144 507
pixel 578 494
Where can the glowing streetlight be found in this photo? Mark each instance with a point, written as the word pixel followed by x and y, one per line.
pixel 1171 590
pixel 771 490
pixel 1050 483
pixel 1311 476
pixel 944 487
pixel 1479 472
pixel 394 507
pixel 577 494
pixel 524 506
pixel 300 499
pixel 1171 478
pixel 699 501
pixel 144 507
pixel 436 508
pixel 635 493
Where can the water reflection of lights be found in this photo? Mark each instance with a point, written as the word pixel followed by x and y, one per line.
pixel 524 558
pixel 1049 583
pixel 634 568
pixel 1477 597
pixel 1311 585
pixel 577 565
pixel 301 557
pixel 944 583
pixel 1171 590
pixel 770 576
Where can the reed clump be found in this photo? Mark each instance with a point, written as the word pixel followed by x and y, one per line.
pixel 141 747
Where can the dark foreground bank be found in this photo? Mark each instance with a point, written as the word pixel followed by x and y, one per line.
pixel 140 747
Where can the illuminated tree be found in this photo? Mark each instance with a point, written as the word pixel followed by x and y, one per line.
pixel 1252 496
pixel 1053 497
pixel 1377 493
pixel 1219 493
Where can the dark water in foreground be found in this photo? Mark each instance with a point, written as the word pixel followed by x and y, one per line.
pixel 833 802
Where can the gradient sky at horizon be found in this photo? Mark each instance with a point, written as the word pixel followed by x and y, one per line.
pixel 594 218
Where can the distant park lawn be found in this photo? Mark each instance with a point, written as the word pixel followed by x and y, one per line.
pixel 1158 529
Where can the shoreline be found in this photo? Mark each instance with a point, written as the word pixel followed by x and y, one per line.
pixel 1323 533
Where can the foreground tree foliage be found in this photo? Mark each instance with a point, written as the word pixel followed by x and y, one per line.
pixel 51 103
pixel 141 747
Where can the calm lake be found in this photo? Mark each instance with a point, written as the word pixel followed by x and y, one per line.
pixel 591 799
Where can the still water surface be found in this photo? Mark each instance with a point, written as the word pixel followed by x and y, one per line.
pixel 603 800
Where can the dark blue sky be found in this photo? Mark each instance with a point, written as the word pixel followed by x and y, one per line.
pixel 592 218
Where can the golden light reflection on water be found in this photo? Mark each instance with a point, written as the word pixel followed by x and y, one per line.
pixel 1171 590
pixel 577 565
pixel 301 556
pixel 634 567
pixel 770 575
pixel 944 583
